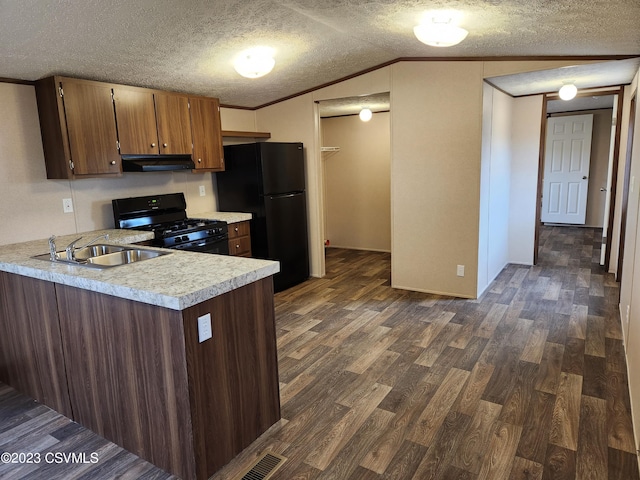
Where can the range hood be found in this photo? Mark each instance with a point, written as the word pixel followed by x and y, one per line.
pixel 156 163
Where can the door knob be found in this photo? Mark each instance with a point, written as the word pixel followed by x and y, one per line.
pixel 584 177
pixel 603 189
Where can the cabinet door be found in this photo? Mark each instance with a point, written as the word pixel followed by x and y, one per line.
pixel 91 128
pixel 174 123
pixel 207 134
pixel 136 115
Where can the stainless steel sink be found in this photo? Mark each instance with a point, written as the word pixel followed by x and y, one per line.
pixel 123 257
pixel 96 251
pixel 104 256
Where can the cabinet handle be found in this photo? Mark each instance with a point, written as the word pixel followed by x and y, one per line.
pixel 237 246
pixel 199 160
pixel 113 162
pixel 236 229
pixel 164 145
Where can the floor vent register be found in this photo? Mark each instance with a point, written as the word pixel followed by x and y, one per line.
pixel 264 467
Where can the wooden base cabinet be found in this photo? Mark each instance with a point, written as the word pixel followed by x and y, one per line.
pixel 31 358
pixel 138 375
pixel 240 239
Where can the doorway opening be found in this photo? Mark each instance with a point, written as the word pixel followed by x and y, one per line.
pixel 356 173
pixel 594 187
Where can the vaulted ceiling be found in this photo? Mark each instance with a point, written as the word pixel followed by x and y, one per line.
pixel 189 45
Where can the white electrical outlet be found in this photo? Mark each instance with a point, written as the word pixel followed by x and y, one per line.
pixel 202 190
pixel 204 328
pixel 67 205
pixel 460 271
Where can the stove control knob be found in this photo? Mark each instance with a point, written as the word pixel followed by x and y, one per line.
pixel 185 238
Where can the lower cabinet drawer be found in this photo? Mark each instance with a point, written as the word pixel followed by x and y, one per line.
pixel 239 229
pixel 240 246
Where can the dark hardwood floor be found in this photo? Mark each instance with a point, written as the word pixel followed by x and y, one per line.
pixel 527 382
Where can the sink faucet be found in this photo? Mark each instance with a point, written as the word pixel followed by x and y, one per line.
pixel 52 248
pixel 71 248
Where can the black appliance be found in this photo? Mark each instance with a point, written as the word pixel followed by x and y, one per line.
pixel 166 216
pixel 267 180
pixel 156 163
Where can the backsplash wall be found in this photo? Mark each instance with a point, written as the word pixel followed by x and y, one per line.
pixel 31 205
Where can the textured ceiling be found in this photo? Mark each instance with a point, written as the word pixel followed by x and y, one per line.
pixel 580 104
pixel 618 72
pixel 189 45
pixel 379 102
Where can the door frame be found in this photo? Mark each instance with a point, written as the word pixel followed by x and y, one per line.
pixel 616 160
pixel 625 186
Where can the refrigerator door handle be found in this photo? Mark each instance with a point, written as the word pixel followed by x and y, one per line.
pixel 284 195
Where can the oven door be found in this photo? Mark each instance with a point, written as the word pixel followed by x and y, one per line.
pixel 218 245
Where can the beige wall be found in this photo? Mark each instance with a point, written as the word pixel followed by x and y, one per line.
pixel 495 183
pixel 357 182
pixel 31 205
pixel 525 151
pixel 436 114
pixel 600 146
pixel 630 281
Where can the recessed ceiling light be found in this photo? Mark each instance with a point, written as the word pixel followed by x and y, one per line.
pixel 254 62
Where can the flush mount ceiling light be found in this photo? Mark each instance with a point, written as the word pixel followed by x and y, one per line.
pixel 255 62
pixel 440 31
pixel 568 91
pixel 365 114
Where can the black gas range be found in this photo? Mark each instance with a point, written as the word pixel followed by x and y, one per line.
pixel 166 216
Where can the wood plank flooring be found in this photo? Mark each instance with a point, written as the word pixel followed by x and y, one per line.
pixel 59 448
pixel 527 382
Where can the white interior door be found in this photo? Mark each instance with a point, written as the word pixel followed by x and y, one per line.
pixel 566 169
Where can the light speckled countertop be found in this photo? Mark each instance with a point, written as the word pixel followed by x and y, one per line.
pixel 229 217
pixel 174 281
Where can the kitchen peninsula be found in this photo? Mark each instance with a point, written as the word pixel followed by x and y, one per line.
pixel 125 351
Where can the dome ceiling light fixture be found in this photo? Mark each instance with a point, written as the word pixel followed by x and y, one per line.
pixel 365 114
pixel 440 31
pixel 568 91
pixel 254 62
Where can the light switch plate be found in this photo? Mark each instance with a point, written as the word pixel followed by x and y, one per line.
pixel 201 190
pixel 460 271
pixel 204 328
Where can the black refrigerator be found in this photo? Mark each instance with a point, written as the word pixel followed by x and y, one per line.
pixel 268 180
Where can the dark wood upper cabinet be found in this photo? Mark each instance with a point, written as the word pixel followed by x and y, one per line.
pixel 86 126
pixel 174 123
pixel 208 153
pixel 136 115
pixel 78 128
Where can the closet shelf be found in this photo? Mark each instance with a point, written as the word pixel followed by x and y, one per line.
pixel 239 134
